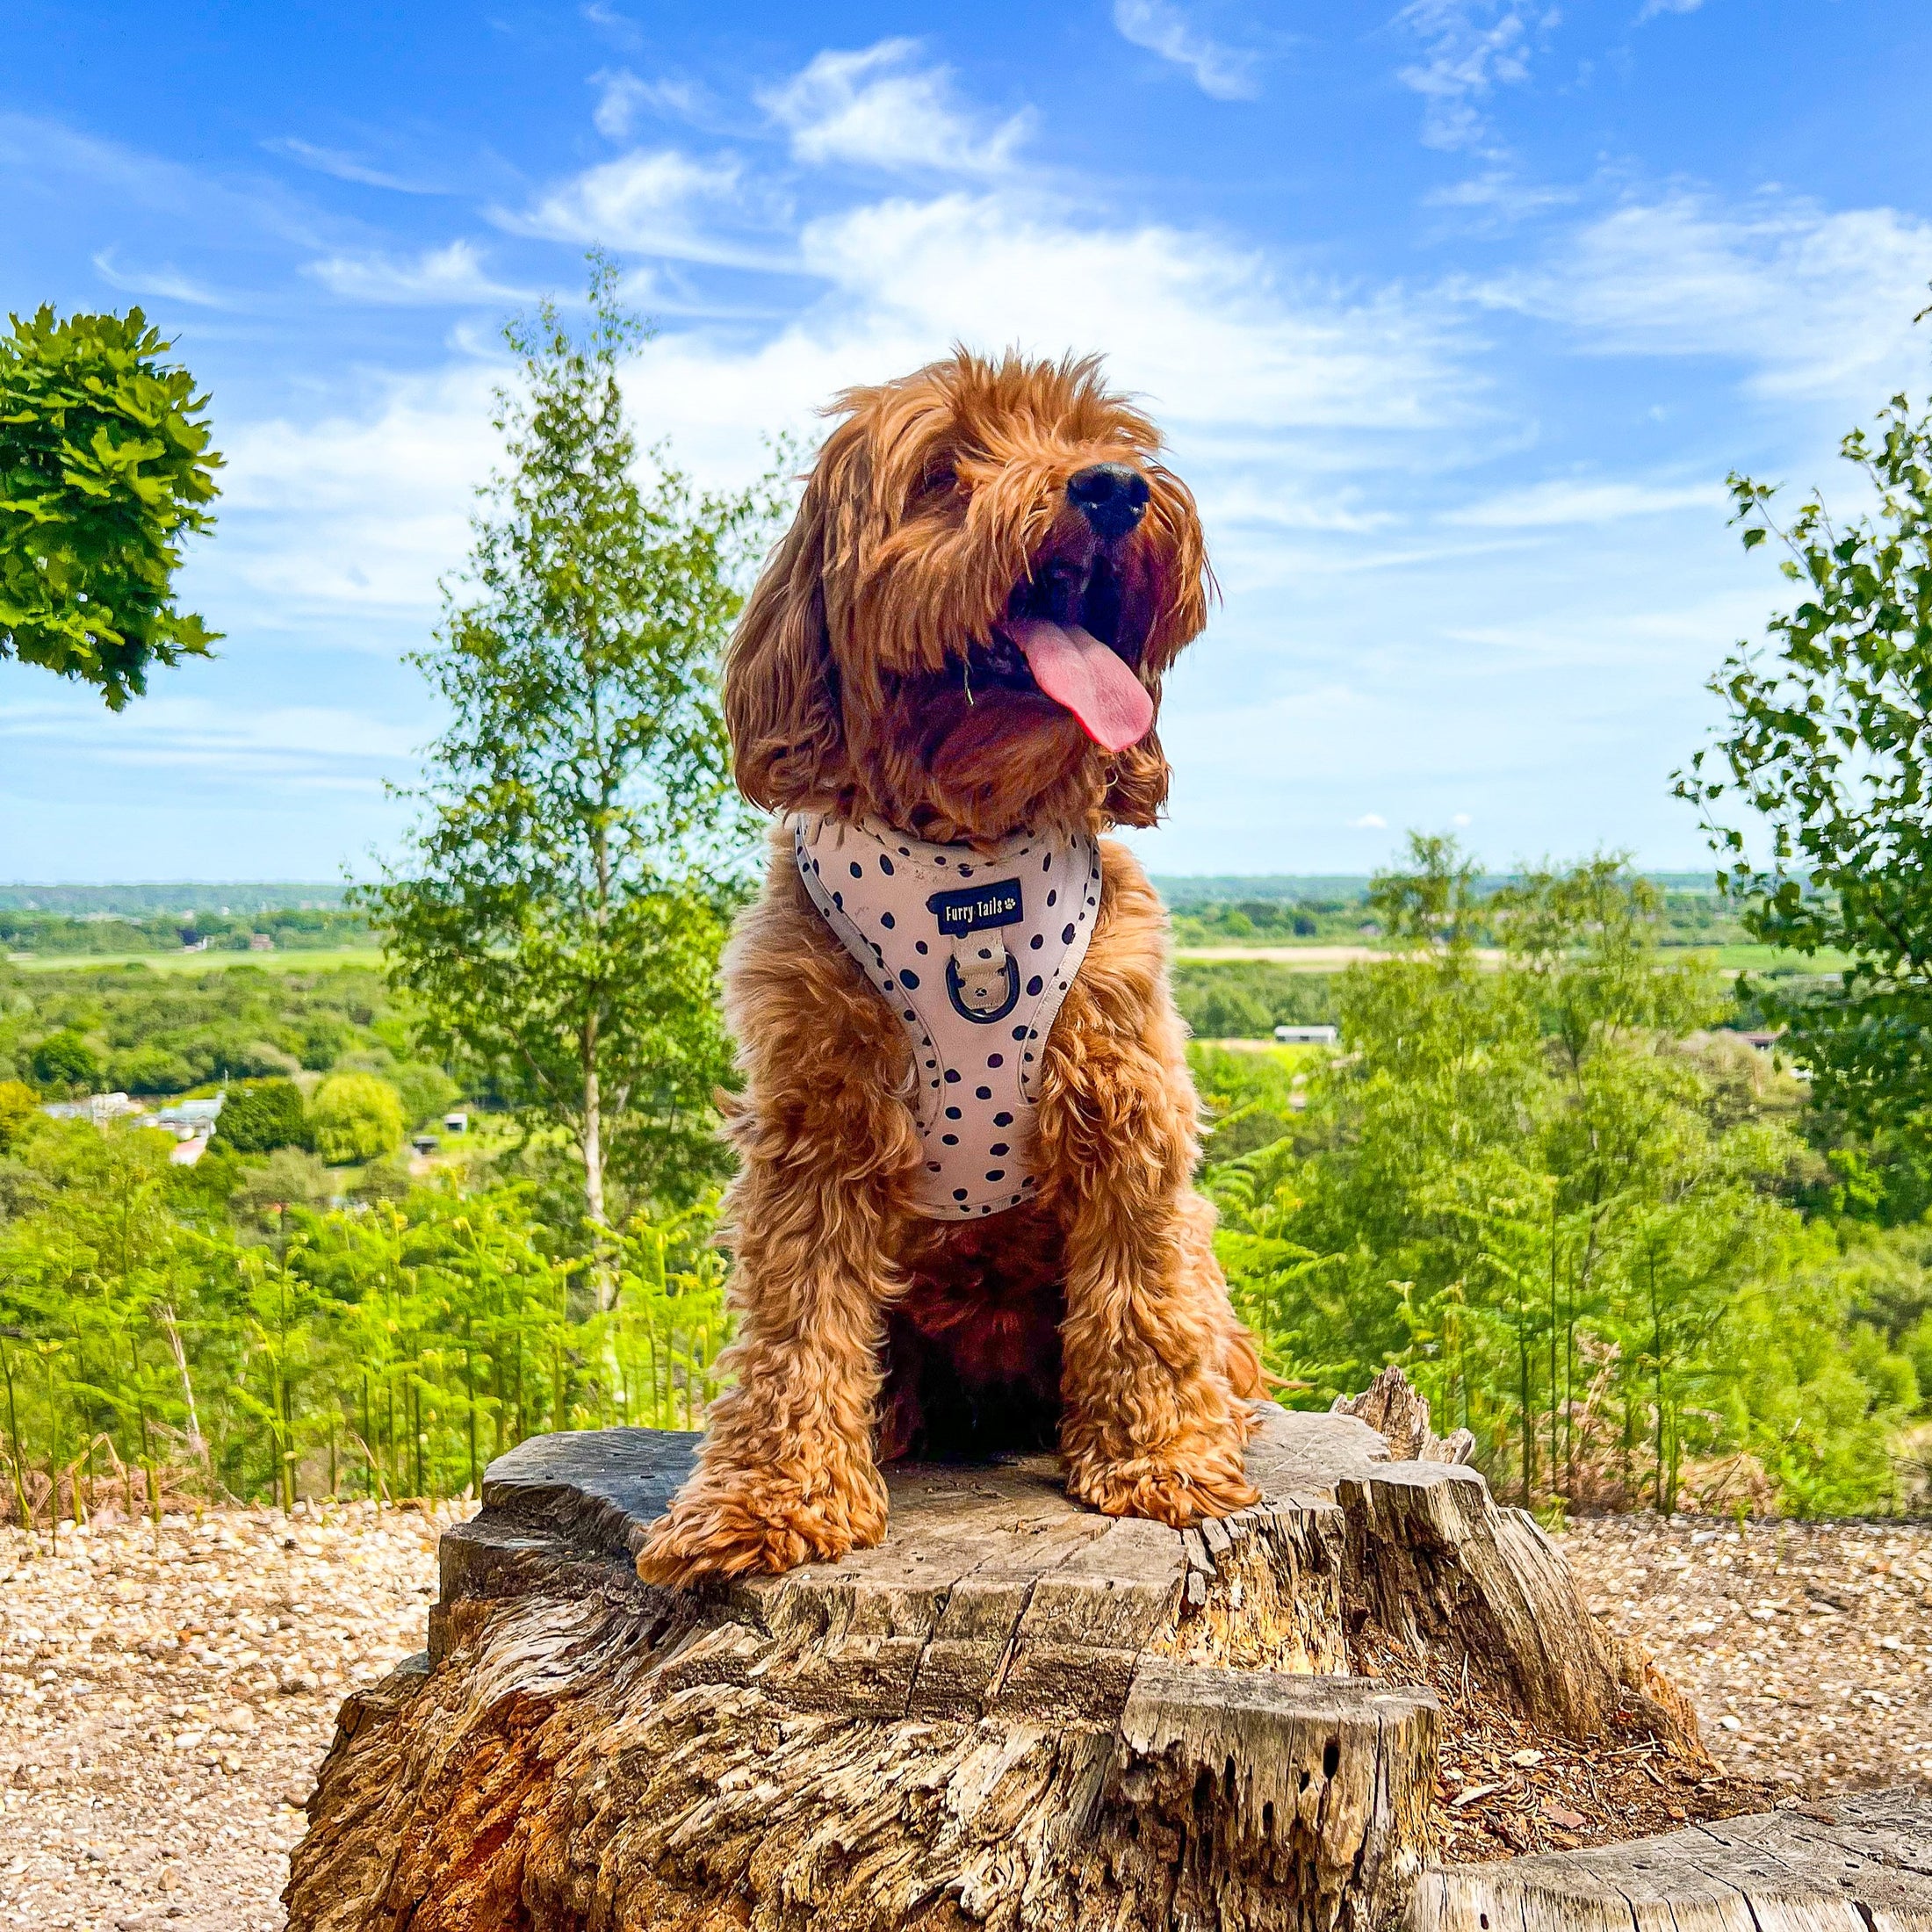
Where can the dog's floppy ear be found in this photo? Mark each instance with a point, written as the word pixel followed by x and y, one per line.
pixel 781 679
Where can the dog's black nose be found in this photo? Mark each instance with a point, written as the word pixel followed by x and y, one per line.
pixel 1111 496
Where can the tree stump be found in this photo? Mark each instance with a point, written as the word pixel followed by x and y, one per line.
pixel 1012 1713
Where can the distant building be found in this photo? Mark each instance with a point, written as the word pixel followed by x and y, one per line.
pixel 187 1120
pixel 1308 1036
pixel 260 942
pixel 98 1107
pixel 456 1124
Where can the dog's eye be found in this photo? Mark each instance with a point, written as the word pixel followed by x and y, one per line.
pixel 938 479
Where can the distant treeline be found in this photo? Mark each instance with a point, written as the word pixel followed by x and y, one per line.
pixel 146 901
pixel 66 934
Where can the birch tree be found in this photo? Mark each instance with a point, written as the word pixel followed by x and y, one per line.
pixel 558 913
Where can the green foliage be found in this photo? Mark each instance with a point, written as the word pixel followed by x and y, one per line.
pixel 355 1117
pixel 228 1023
pixel 18 1106
pixel 1564 1208
pixel 259 1118
pixel 1247 1000
pixel 557 919
pixel 390 1351
pixel 1828 743
pixel 291 929
pixel 66 1061
pixel 105 463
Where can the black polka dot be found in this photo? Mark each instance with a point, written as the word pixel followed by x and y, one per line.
pixel 837 900
pixel 1053 898
pixel 887 921
pixel 1002 1120
pixel 985 952
pixel 998 1147
pixel 912 1016
pixel 952 1077
pixel 996 1173
pixel 905 852
pixel 983 1093
pixel 950 1140
pixel 932 1167
pixel 965 871
pixel 1066 935
pixel 908 977
pixel 885 865
pixel 858 871
pixel 951 1112
pixel 1037 941
pixel 1020 1032
pixel 919 946
pixel 1034 985
pixel 1046 864
pixel 959 1193
pixel 930 1064
pixel 995 1060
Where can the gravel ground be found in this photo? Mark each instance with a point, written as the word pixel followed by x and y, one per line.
pixel 1804 1646
pixel 161 1717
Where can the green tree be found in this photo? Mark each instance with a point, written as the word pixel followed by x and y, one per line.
pixel 557 917
pixel 65 1059
pixel 106 464
pixel 355 1117
pixel 1828 745
pixel 257 1119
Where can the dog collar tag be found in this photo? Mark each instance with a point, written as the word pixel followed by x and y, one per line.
pixel 978 908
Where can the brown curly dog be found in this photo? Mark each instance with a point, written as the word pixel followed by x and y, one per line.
pixel 963 1221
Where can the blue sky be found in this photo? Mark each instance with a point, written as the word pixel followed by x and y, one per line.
pixel 1457 315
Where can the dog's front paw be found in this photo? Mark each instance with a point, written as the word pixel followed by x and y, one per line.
pixel 1175 1489
pixel 728 1537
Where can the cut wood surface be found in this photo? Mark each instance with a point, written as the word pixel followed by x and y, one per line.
pixel 1857 1864
pixel 1011 1713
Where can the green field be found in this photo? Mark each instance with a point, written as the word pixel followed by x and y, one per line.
pixel 294 961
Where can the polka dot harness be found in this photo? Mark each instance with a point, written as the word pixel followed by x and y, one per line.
pixel 974 951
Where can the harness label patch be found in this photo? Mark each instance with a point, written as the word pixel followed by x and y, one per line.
pixel 976 908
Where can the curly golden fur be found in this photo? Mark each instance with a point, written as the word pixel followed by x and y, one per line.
pixel 867 680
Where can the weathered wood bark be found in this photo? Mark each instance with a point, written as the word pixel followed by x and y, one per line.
pixel 1012 1713
pixel 1859 1864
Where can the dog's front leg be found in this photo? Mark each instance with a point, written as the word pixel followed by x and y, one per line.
pixel 786 1474
pixel 1153 1422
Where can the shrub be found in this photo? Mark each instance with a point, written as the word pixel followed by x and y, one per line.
pixel 151 1069
pixel 427 1090
pixel 257 1119
pixel 357 1117
pixel 64 1059
pixel 17 1107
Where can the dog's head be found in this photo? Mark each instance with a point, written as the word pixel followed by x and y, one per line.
pixel 965 628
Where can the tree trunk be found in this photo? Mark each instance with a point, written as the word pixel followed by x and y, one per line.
pixel 1012 1713
pixel 601 1272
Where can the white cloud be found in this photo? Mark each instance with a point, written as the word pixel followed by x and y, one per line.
pixel 1369 821
pixel 357 513
pixel 649 202
pixel 1470 47
pixel 454 274
pixel 167 282
pixel 876 107
pixel 1460 820
pixel 1550 505
pixel 623 94
pixel 1226 73
pixel 332 160
pixel 1819 303
pixel 1652 9
pixel 308 747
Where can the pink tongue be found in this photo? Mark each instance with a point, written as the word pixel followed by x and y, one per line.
pixel 1077 671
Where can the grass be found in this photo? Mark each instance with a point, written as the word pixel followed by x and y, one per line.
pixel 294 961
